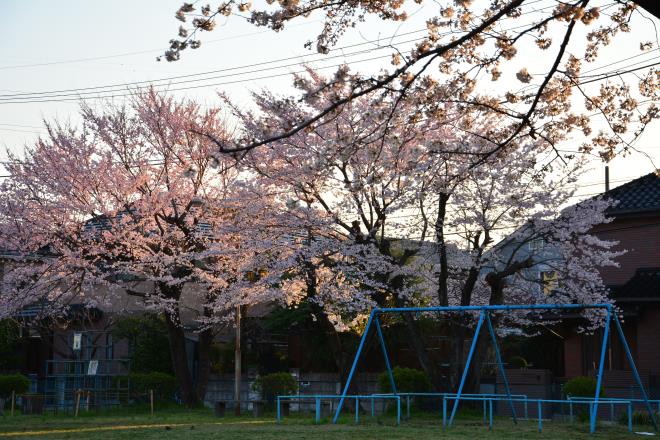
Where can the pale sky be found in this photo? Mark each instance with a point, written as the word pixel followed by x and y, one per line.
pixel 72 44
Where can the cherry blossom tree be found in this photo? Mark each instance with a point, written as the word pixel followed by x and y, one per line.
pixel 348 178
pixel 471 48
pixel 406 187
pixel 523 199
pixel 133 203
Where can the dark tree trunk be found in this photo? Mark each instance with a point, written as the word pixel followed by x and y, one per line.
pixel 180 360
pixel 443 276
pixel 177 340
pixel 473 380
pixel 468 287
pixel 458 331
pixel 457 338
pixel 417 342
pixel 338 352
pixel 485 339
pixel 496 289
pixel 496 297
pixel 203 362
pixel 497 282
pixel 459 357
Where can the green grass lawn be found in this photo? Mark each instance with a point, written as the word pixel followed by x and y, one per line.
pixel 201 424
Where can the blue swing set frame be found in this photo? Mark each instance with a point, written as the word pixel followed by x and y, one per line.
pixel 484 316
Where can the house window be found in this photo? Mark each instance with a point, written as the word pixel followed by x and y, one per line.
pixel 536 244
pixel 549 281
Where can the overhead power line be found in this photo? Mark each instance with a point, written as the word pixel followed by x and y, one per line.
pixel 230 37
pixel 516 226
pixel 622 60
pixel 81 92
pixel 226 69
pixel 77 97
pixel 51 93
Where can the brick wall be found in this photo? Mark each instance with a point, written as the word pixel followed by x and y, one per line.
pixel 648 340
pixel 573 355
pixel 534 383
pixel 640 237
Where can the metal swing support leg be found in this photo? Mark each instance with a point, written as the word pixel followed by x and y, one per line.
pixel 385 355
pixel 467 366
pixel 493 336
pixel 633 367
pixel 599 379
pixel 354 366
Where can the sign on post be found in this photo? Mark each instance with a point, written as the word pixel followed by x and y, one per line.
pixel 93 367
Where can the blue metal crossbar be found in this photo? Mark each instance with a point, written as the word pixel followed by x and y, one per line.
pixel 441 395
pixel 612 400
pixel 604 399
pixel 484 315
pixel 539 402
pixel 318 397
pixel 492 308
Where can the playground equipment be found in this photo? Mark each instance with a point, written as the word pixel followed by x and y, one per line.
pixel 484 316
pixel 317 398
pixel 533 408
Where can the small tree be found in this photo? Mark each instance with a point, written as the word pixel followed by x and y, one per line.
pixel 13 383
pixel 275 384
pixel 148 342
pixel 407 380
pixel 9 345
pixel 581 386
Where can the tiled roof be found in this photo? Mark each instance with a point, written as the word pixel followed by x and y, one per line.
pixel 104 223
pixel 636 196
pixel 643 285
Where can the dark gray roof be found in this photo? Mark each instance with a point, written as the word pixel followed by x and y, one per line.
pixel 641 195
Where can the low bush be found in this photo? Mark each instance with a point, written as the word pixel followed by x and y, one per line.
pixel 13 382
pixel 163 384
pixel 275 384
pixel 407 380
pixel 518 362
pixel 582 386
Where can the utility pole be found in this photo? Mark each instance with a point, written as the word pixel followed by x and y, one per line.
pixel 237 364
pixel 607 178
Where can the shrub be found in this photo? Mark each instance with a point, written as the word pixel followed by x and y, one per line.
pixel 518 362
pixel 163 384
pixel 582 386
pixel 407 380
pixel 13 382
pixel 10 359
pixel 148 342
pixel 275 384
pixel 638 418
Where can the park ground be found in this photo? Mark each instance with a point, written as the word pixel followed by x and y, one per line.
pixel 201 424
